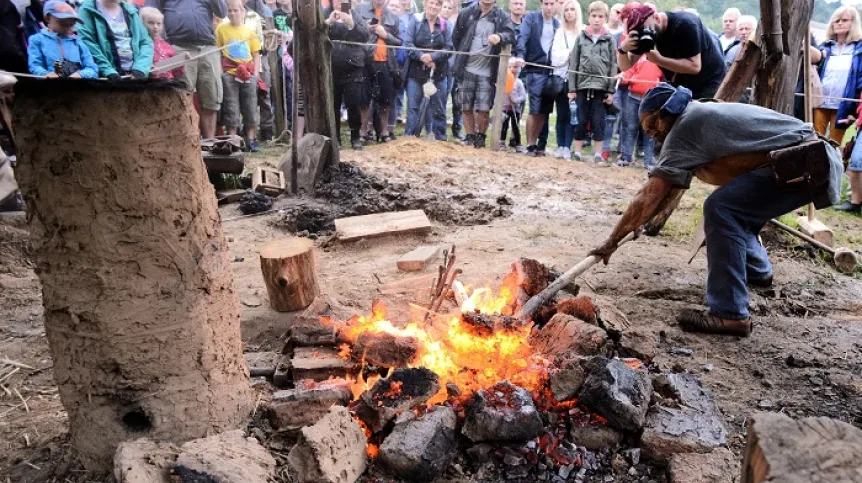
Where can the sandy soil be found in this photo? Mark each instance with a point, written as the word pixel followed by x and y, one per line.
pixel 802 359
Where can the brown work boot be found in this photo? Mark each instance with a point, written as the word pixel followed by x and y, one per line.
pixel 691 320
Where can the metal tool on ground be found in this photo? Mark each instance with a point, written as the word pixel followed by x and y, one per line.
pixel 428 90
pixel 845 260
pixel 531 306
pixel 446 276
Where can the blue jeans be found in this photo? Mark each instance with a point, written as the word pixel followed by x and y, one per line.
pixel 733 216
pixel 436 108
pixel 630 128
pixel 456 111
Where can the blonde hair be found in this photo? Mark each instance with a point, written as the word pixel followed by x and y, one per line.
pixel 855 32
pixel 598 6
pixel 232 2
pixel 151 12
pixel 579 21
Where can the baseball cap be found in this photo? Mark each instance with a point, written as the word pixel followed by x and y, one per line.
pixel 59 9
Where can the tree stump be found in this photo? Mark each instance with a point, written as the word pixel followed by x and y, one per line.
pixel 140 311
pixel 288 271
pixel 806 450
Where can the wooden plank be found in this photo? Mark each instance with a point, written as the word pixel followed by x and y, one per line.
pixel 811 449
pixel 417 259
pixel 382 224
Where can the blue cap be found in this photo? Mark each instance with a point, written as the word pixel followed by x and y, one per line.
pixel 59 9
pixel 670 100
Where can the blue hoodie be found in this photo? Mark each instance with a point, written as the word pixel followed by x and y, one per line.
pixel 44 50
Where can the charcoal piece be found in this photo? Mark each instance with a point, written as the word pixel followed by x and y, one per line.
pixel 253 202
pixel 422 448
pixel 503 412
pixel 389 397
pixel 617 392
pixel 386 350
pixel 486 325
pixel 526 279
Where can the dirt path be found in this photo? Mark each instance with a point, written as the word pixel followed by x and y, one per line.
pixel 803 357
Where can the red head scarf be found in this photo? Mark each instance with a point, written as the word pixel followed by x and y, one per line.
pixel 634 14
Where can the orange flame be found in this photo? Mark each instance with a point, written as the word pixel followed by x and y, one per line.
pixel 454 352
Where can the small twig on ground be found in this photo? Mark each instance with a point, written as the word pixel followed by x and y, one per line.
pixel 256 404
pixel 6 390
pixel 10 362
pixel 23 401
pixel 588 284
pixel 31 465
pixel 10 374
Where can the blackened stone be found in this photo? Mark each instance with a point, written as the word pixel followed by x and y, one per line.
pixel 403 390
pixel 617 392
pixel 422 448
pixel 504 412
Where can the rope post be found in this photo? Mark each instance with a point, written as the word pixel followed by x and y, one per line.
pixel 502 70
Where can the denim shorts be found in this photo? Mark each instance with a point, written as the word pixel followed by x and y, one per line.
pixel 856 156
pixel 535 83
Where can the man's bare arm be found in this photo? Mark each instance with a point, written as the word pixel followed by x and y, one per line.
pixel 643 206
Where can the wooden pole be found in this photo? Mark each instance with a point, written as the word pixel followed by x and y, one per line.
pixel 741 73
pixel 502 70
pixel 313 70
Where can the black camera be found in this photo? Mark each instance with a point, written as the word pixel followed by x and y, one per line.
pixel 65 68
pixel 646 40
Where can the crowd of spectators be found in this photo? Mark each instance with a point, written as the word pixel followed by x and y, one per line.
pixel 436 68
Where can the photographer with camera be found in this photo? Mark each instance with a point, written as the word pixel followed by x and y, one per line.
pixel 56 51
pixel 678 42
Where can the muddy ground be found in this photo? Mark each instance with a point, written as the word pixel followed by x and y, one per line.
pixel 804 357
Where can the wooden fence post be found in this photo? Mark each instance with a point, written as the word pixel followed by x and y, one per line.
pixel 502 69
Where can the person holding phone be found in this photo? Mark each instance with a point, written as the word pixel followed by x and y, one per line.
pixel 383 77
pixel 348 67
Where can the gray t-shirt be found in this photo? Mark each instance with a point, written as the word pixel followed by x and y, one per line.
pixel 481 64
pixel 547 36
pixel 708 131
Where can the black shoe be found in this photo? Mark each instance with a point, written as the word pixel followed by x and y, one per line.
pixel 764 283
pixel 849 207
pixel 13 202
pixel 392 136
pixel 458 135
pixel 531 150
pixel 469 140
pixel 356 144
pixel 368 139
pixel 479 141
pixel 266 134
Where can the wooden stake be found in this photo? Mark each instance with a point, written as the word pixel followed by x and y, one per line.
pixel 502 70
pixel 288 268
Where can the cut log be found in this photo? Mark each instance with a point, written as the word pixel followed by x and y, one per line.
pixel 417 259
pixel 386 350
pixel 811 449
pixel 526 279
pixel 382 224
pixel 288 269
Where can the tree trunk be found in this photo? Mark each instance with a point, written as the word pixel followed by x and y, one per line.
pixel 140 311
pixel 741 73
pixel 785 24
pixel 289 273
pixel 313 70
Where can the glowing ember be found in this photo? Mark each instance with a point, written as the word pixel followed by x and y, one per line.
pixel 456 353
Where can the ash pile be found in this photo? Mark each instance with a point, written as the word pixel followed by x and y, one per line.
pixel 347 190
pixel 363 404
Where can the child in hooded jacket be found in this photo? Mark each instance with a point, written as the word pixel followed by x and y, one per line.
pixel 57 51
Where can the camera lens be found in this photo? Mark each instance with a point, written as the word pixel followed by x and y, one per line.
pixel 646 40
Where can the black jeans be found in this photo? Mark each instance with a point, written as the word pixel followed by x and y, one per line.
pixel 349 88
pixel 510 117
pixel 591 111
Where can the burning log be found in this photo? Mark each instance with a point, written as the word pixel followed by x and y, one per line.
pixel 308 403
pixel 565 334
pixel 331 451
pixel 386 350
pixel 810 449
pixel 420 449
pixel 288 271
pixel 526 279
pixel 311 334
pixel 617 392
pixel 319 364
pixel 485 325
pixel 503 412
pixel 403 390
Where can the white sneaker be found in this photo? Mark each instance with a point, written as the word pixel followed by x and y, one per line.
pixel 558 153
pixel 567 154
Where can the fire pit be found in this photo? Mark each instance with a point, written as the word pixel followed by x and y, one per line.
pixel 522 395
